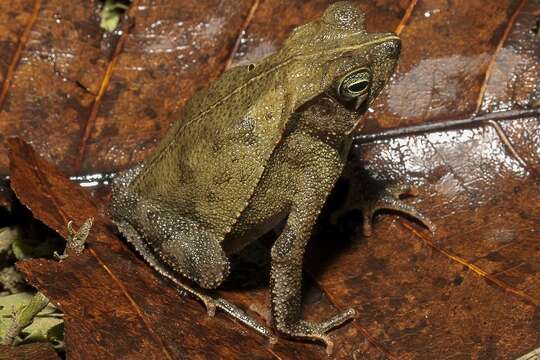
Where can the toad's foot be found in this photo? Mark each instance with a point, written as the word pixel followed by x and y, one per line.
pixel 209 302
pixel 317 331
pixel 390 200
pixel 238 314
pixel 230 309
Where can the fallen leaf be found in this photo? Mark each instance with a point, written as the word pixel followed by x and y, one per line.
pixel 465 88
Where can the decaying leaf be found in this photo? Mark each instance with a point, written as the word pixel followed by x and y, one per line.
pixel 459 121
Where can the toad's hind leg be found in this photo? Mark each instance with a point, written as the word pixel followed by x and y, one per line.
pixel 176 252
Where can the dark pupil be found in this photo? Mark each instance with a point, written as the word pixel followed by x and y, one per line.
pixel 357 87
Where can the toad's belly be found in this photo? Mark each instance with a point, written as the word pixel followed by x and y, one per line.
pixel 269 204
pixel 249 228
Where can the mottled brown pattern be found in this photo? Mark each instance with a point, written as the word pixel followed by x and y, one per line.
pixel 440 75
pixel 15 17
pixel 168 56
pixel 52 88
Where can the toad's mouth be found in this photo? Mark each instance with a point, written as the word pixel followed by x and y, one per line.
pixel 355 126
pixel 356 107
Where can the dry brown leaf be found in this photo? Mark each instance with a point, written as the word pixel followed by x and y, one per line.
pixel 466 86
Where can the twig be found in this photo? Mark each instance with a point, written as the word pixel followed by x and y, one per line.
pixel 24 317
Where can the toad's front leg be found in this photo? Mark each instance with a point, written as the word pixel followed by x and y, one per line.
pixel 375 197
pixel 286 274
pixel 390 200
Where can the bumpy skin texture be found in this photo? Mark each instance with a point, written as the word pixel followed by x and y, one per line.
pixel 264 143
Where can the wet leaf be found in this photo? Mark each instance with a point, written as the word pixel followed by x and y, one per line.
pixel 468 289
pixel 459 120
pixel 454 66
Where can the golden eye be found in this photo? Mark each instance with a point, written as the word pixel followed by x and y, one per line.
pixel 354 84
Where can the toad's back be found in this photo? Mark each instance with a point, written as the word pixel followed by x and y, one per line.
pixel 210 162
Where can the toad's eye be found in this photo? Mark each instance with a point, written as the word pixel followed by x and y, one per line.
pixel 355 84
